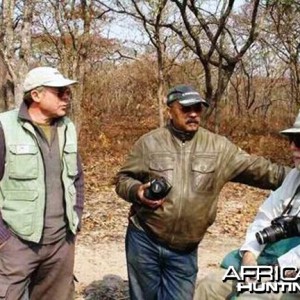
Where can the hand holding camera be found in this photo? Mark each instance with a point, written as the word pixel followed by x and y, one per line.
pixel 158 189
pixel 152 194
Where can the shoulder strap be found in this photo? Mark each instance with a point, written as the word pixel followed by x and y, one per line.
pixel 290 204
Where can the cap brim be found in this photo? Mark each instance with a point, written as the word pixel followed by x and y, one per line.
pixel 290 131
pixel 60 83
pixel 189 102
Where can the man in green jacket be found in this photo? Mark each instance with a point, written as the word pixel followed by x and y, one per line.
pixel 163 234
pixel 41 191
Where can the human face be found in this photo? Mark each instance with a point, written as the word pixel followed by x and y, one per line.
pixel 295 147
pixel 53 102
pixel 185 118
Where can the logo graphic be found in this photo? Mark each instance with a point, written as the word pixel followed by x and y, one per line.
pixel 264 279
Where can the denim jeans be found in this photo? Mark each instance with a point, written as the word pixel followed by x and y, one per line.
pixel 156 272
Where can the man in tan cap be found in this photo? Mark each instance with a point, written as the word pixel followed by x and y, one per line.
pixel 41 198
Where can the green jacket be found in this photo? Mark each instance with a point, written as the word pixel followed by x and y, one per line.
pixel 22 197
pixel 197 169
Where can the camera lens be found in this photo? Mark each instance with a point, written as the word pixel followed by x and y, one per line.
pixel 260 237
pixel 157 187
pixel 270 234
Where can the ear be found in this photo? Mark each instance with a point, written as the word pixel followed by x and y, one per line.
pixel 36 96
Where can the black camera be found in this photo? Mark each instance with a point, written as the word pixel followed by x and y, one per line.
pixel 281 228
pixel 159 188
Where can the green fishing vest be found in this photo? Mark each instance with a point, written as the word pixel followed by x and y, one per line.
pixel 22 188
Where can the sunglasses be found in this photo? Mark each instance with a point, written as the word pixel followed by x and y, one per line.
pixel 60 91
pixel 192 108
pixel 295 138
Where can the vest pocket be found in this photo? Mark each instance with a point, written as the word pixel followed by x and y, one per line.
pixel 70 157
pixel 23 161
pixel 203 173
pixel 19 209
pixel 72 195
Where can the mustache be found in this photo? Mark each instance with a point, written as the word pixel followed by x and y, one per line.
pixel 192 121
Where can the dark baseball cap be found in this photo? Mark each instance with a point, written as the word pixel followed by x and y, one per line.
pixel 185 95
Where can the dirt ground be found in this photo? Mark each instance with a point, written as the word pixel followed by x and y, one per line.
pixel 95 261
pixel 100 245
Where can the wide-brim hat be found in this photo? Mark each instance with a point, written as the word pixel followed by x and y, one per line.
pixel 185 95
pixel 45 76
pixel 295 129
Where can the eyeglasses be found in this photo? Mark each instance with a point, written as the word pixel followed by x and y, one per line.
pixel 60 91
pixel 295 138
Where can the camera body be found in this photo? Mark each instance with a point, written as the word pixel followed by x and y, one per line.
pixel 159 188
pixel 281 228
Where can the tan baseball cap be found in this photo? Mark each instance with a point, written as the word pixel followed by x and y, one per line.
pixel 45 76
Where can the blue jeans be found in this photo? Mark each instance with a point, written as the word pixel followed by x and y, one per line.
pixel 156 272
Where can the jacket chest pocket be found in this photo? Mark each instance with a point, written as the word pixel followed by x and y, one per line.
pixel 23 161
pixel 203 173
pixel 162 167
pixel 70 157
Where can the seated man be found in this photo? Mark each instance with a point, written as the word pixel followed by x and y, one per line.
pixel 271 246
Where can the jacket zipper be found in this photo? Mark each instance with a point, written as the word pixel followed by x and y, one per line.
pixel 44 169
pixel 182 185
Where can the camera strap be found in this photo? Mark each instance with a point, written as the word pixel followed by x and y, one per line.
pixel 289 207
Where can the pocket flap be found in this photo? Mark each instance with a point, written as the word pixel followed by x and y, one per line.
pixel 204 166
pixel 23 149
pixel 70 148
pixel 161 165
pixel 21 195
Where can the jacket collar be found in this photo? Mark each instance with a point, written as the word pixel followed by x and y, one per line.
pixel 24 116
pixel 23 113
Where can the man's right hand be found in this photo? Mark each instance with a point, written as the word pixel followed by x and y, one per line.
pixel 249 260
pixel 150 203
